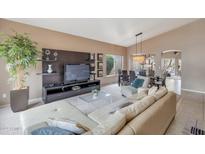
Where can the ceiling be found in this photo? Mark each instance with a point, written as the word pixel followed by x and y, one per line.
pixel 119 31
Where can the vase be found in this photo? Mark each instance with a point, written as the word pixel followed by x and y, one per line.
pixel 49 69
pixel 95 93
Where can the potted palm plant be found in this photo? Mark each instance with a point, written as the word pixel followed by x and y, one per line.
pixel 20 53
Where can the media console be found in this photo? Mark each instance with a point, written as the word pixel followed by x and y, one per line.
pixel 54 93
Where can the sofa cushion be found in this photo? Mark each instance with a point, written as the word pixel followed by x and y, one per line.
pixel 111 126
pixel 152 91
pixel 142 89
pixel 154 120
pixel 135 109
pixel 138 96
pixel 162 91
pixel 120 107
pixel 128 90
pixel 137 83
pixel 100 114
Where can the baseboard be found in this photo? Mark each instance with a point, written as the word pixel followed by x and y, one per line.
pixel 35 100
pixel 4 105
pixel 31 101
pixel 194 91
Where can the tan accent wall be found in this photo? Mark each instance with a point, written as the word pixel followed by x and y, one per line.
pixel 55 40
pixel 190 39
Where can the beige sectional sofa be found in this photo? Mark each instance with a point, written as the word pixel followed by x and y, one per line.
pixel 151 114
pixel 155 119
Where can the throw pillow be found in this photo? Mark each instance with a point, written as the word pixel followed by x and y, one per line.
pixel 137 83
pixel 152 91
pixel 120 107
pixel 141 95
pixel 138 107
pixel 141 89
pixel 67 124
pixel 160 93
pixel 51 131
pixel 136 97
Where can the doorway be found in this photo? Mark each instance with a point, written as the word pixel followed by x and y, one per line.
pixel 171 65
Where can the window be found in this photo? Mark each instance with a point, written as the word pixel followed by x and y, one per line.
pixel 113 64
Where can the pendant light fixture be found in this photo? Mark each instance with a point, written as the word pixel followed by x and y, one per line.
pixel 139 56
pixel 137 35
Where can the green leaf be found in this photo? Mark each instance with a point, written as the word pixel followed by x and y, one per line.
pixel 19 51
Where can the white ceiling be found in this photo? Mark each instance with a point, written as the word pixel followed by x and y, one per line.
pixel 119 31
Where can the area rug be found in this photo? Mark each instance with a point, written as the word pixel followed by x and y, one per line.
pixel 87 108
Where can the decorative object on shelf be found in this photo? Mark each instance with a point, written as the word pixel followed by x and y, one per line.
pixel 100 57
pixel 92 62
pixel 100 73
pixel 92 76
pixel 92 56
pixel 95 93
pixel 99 65
pixel 55 54
pixel 50 70
pixel 76 88
pixel 47 53
pixel 92 65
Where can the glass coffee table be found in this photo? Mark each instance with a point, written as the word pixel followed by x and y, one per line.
pixel 101 96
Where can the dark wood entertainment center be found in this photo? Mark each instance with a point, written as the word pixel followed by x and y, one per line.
pixel 54 93
pixel 53 83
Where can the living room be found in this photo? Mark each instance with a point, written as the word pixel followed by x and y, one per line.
pixel 62 52
pixel 102 77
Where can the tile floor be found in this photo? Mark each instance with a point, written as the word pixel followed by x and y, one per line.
pixel 190 106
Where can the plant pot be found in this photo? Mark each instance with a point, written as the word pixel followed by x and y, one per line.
pixel 19 99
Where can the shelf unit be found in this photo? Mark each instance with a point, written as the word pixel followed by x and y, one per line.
pixel 54 93
pixel 49 61
pixel 99 65
pixel 44 60
pixel 47 73
pixel 92 62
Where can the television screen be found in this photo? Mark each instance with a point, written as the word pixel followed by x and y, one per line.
pixel 76 73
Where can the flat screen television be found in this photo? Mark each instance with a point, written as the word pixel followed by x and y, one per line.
pixel 76 73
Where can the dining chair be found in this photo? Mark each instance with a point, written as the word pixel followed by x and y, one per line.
pixel 132 76
pixel 124 77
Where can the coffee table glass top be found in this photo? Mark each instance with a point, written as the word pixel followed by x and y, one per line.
pixel 101 96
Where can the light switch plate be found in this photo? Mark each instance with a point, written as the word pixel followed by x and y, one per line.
pixel 4 95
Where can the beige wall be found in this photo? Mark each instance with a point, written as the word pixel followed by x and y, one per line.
pixel 56 40
pixel 190 39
